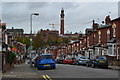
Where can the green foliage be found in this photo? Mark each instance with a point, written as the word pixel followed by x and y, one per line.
pixel 11 57
pixel 24 40
pixel 66 40
pixel 49 40
pixel 38 41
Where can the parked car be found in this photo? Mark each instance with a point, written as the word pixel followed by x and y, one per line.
pixel 36 60
pixel 81 60
pixel 60 60
pixel 68 60
pixel 100 61
pixel 46 61
pixel 32 60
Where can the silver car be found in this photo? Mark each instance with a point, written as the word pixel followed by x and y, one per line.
pixel 81 60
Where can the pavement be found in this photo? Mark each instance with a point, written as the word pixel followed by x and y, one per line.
pixel 115 67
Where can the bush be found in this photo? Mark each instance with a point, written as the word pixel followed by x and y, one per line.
pixel 11 57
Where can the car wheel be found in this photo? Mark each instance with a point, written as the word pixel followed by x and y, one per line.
pixel 87 65
pixel 106 67
pixel 93 65
pixel 35 65
pixel 78 64
pixel 73 63
pixel 54 67
pixel 38 68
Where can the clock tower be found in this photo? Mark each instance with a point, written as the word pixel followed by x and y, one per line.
pixel 62 22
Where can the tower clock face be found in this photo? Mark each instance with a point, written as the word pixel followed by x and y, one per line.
pixel 62 18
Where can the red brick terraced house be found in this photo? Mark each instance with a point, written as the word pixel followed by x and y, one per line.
pixel 114 42
pixel 4 48
pixel 101 39
pixel 69 48
pixel 116 22
pixel 107 38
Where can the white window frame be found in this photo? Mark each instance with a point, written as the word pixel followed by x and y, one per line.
pixel 88 41
pixel 108 34
pixel 99 36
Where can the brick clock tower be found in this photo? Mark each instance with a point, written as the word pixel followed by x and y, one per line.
pixel 62 22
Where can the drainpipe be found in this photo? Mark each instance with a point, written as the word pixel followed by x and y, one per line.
pixel 117 52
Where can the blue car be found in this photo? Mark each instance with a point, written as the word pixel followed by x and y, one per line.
pixel 46 61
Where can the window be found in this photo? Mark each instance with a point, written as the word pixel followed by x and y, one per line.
pixel 99 36
pixel 108 34
pixel 94 35
pixel 119 51
pixel 44 35
pixel 46 56
pixel 80 45
pixel 88 41
pixel 114 50
pixel 85 39
pixel 101 57
pixel 0 33
pixel 114 31
pixel 99 52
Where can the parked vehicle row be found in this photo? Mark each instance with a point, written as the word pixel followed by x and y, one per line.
pixel 95 61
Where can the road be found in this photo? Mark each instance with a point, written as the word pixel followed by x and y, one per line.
pixel 62 71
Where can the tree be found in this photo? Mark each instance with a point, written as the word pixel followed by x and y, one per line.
pixel 38 41
pixel 23 40
pixel 65 40
pixel 11 57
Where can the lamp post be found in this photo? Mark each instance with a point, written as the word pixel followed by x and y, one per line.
pixel 30 53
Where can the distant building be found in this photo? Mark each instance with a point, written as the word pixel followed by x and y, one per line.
pixel 46 33
pixel 15 32
pixel 27 35
pixel 2 34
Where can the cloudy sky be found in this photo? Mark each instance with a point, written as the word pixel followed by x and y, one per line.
pixel 78 15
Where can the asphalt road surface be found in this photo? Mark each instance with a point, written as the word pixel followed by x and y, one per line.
pixel 61 71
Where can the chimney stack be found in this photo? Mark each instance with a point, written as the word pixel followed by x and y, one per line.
pixel 95 26
pixel 107 19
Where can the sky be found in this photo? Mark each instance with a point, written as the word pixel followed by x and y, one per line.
pixel 78 15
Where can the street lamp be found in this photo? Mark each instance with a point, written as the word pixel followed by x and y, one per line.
pixel 30 53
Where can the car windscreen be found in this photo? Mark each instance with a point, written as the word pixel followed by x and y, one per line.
pixel 68 59
pixel 82 57
pixel 101 57
pixel 46 57
pixel 61 58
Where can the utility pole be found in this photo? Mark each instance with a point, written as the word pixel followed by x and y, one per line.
pixel 30 53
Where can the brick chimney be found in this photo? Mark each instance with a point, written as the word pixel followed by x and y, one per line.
pixel 95 25
pixel 107 19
